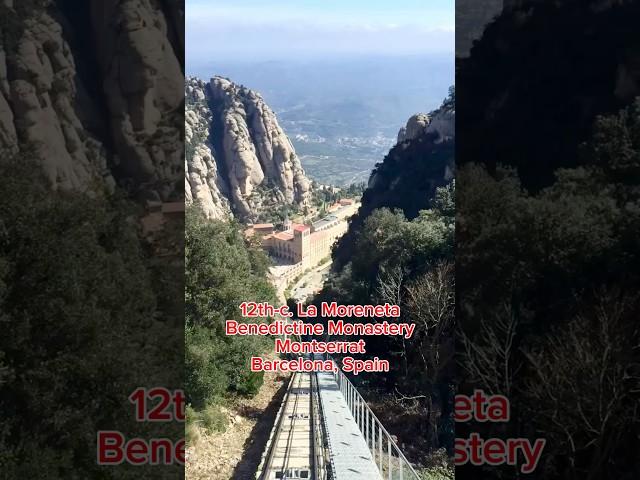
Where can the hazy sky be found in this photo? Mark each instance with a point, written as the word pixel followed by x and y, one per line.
pixel 281 29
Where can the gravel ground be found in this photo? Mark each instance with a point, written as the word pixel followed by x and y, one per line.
pixel 236 453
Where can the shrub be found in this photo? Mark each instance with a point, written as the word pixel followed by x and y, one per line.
pixel 213 419
pixel 248 383
pixel 192 434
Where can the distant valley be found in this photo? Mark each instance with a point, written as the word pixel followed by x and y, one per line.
pixel 342 115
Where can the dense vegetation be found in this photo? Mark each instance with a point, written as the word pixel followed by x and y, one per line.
pixel 326 195
pixel 547 285
pixel 547 234
pixel 408 263
pixel 87 316
pixel 321 198
pixel 222 271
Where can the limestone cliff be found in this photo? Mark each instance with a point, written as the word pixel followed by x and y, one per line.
pixel 416 125
pixel 243 158
pixel 440 122
pixel 93 89
pixel 203 182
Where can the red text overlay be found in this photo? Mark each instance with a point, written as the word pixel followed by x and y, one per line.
pixel 482 408
pixel 150 405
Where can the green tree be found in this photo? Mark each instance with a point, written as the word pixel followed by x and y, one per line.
pixel 81 325
pixel 223 269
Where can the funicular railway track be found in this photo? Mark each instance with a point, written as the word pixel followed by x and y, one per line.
pixel 295 449
pixel 324 430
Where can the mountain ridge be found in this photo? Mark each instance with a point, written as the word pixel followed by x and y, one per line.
pixel 239 160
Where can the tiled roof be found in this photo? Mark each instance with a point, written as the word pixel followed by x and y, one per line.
pixel 283 236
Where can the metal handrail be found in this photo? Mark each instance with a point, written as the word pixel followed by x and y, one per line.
pixel 354 400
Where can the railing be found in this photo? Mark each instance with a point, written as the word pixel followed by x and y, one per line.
pixel 391 463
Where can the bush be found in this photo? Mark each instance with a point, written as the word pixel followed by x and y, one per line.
pixel 210 419
pixel 80 320
pixel 437 473
pixel 205 378
pixel 248 383
pixel 192 434
pixel 213 419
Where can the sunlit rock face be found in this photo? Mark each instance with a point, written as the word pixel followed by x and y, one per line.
pixel 203 183
pixel 441 122
pixel 94 90
pixel 255 163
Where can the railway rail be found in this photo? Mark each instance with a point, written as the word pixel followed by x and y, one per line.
pixel 295 449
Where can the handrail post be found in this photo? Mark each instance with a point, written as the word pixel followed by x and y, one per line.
pixel 366 428
pixel 353 402
pixel 389 451
pixel 380 447
pixel 373 434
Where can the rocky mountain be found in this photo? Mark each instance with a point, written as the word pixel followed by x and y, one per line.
pixel 238 157
pixel 91 101
pixel 441 123
pixel 342 114
pixel 416 125
pixel 505 95
pixel 93 89
pixel 472 17
pixel 407 178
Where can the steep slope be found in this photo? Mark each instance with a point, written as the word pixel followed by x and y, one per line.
pixel 90 97
pixel 203 182
pixel 554 90
pixel 550 91
pixel 243 158
pixel 422 160
pixel 94 91
pixel 440 122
